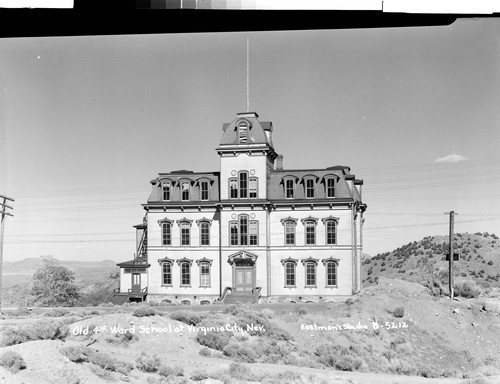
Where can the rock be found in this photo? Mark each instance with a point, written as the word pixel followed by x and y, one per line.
pixel 456 310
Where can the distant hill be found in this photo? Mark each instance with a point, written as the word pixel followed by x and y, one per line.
pixel 479 252
pixel 18 271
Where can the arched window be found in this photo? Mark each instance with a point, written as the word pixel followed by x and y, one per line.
pixel 243 128
pixel 310 265
pixel 185 271
pixel 330 230
pixel 331 274
pixel 253 233
pixel 166 189
pixel 166 268
pixel 233 188
pixel 185 229
pixel 205 266
pixel 243 231
pixel 289 225
pixel 166 231
pixel 185 191
pixel 330 187
pixel 233 233
pixel 290 267
pixel 310 186
pixel 309 230
pixel 204 190
pixel 243 223
pixel 204 233
pixel 243 181
pixel 252 188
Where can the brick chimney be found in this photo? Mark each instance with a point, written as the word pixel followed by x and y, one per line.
pixel 279 163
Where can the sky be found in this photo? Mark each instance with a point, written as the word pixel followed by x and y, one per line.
pixel 86 122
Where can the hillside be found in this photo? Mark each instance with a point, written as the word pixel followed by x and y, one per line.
pixel 393 332
pixel 19 271
pixel 479 260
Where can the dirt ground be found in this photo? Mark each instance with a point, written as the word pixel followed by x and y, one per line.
pixel 441 332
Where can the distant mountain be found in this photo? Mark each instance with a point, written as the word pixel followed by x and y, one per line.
pixel 479 252
pixel 18 271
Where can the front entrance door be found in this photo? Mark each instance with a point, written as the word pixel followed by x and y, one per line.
pixel 136 281
pixel 244 280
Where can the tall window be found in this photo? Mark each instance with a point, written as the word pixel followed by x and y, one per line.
pixel 185 233
pixel 290 274
pixel 331 273
pixel 310 265
pixel 185 191
pixel 290 232
pixel 289 188
pixel 331 232
pixel 243 132
pixel 204 274
pixel 330 187
pixel 204 190
pixel 166 233
pixel 204 233
pixel 310 229
pixel 166 273
pixel 310 274
pixel 253 231
pixel 233 188
pixel 309 188
pixel 243 221
pixel 252 188
pixel 233 235
pixel 166 190
pixel 243 185
pixel 185 273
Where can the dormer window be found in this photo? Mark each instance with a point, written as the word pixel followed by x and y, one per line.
pixel 243 128
pixel 309 185
pixel 185 191
pixel 204 190
pixel 166 189
pixel 289 188
pixel 330 187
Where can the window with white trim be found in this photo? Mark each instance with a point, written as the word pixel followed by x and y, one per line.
pixel 233 188
pixel 289 188
pixel 310 232
pixel 185 191
pixel 166 273
pixel 252 188
pixel 331 273
pixel 310 268
pixel 253 233
pixel 309 185
pixel 243 223
pixel 204 190
pixel 204 233
pixel 330 187
pixel 243 184
pixel 185 269
pixel 233 233
pixel 204 274
pixel 290 227
pixel 166 233
pixel 331 232
pixel 166 189
pixel 185 228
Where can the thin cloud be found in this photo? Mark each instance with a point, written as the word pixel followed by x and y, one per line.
pixel 451 159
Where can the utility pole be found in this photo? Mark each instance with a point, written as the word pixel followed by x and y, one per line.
pixel 4 206
pixel 450 252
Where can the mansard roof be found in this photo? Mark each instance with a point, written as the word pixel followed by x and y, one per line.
pixel 258 132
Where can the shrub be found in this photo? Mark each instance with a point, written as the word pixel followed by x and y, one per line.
pixel 301 310
pixel 401 367
pixel 399 312
pixel 339 357
pixel 146 363
pixel 166 371
pixel 40 330
pixel 56 312
pixel 12 361
pixel 199 375
pixel 144 310
pixel 102 360
pixel 239 371
pixel 205 351
pixel 467 288
pixel 214 340
pixel 241 352
pixel 78 354
pixel 187 317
